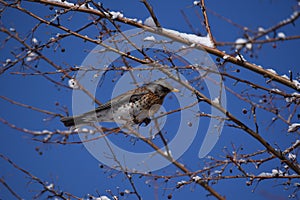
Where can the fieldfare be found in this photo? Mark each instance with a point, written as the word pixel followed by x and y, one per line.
pixel 136 106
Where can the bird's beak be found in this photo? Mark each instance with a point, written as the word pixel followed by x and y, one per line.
pixel 175 90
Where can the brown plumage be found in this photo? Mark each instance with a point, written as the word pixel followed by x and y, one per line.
pixel 136 106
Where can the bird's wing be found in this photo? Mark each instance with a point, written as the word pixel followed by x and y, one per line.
pixel 136 97
pixel 129 96
pixel 102 107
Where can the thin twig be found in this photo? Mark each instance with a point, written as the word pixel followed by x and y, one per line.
pixel 151 11
pixel 207 26
pixel 10 189
pixel 30 107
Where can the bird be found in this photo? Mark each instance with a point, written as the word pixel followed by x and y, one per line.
pixel 134 107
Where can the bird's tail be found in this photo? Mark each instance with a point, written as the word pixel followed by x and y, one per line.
pixel 79 120
pixel 68 121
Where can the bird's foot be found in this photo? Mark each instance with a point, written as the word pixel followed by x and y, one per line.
pixel 146 121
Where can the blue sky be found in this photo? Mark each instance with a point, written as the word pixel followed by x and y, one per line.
pixel 71 167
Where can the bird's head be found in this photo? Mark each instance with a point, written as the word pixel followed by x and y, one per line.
pixel 161 87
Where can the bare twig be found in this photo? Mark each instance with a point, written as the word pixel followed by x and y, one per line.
pixel 151 11
pixel 207 26
pixel 10 189
pixel 30 107
pixel 213 51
